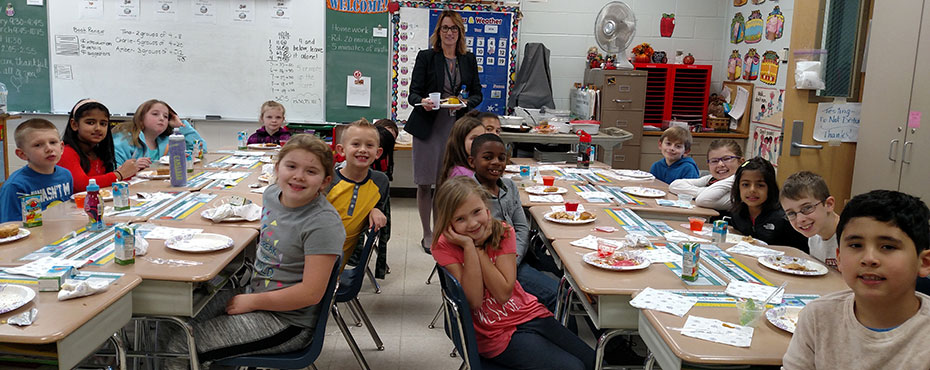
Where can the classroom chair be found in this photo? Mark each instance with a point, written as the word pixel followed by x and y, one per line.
pixel 350 283
pixel 459 326
pixel 299 359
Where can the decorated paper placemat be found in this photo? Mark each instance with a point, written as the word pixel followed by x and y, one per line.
pixel 185 206
pixel 705 277
pixel 632 223
pixel 148 208
pixel 624 198
pixel 592 194
pixel 237 162
pixel 729 266
pixel 82 244
pixel 218 180
pixel 6 278
pixel 586 176
pixel 722 299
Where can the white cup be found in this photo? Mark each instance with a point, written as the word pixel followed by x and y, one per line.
pixel 685 198
pixel 435 97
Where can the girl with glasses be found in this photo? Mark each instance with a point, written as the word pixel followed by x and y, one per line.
pixel 724 156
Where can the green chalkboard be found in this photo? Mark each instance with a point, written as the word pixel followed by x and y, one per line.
pixel 350 47
pixel 24 56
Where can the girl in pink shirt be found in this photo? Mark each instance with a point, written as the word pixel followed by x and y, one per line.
pixel 512 328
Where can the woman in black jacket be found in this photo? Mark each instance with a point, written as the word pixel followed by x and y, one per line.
pixel 449 69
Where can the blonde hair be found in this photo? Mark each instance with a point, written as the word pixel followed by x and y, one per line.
pixel 134 127
pixel 270 105
pixel 436 41
pixel 677 134
pixel 450 197
pixel 21 134
pixel 362 123
pixel 311 144
pixel 456 154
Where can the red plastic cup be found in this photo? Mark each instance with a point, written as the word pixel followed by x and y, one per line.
pixel 548 180
pixel 79 200
pixel 696 223
pixel 571 206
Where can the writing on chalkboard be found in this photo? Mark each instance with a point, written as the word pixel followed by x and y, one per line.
pixel 355 39
pixel 21 62
pixel 837 121
pixel 290 77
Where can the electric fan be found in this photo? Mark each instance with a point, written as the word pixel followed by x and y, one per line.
pixel 614 31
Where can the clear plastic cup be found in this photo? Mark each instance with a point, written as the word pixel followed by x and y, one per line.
pixel 685 198
pixel 750 311
pixel 696 223
pixel 79 200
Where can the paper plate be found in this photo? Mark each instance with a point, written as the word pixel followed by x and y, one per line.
pixel 514 168
pixel 164 160
pixel 643 192
pixel 793 265
pixel 105 194
pixel 23 232
pixel 199 243
pixel 784 317
pixel 548 216
pixel 152 175
pixel 447 105
pixel 635 174
pixel 208 214
pixel 541 190
pixel 15 296
pixel 264 146
pixel 593 260
pixel 265 177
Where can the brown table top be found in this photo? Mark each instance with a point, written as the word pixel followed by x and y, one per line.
pixel 49 232
pixel 597 281
pixel 210 263
pixel 533 162
pixel 650 206
pixel 243 187
pixel 195 220
pixel 57 319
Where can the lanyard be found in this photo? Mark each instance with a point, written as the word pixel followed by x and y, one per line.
pixel 452 74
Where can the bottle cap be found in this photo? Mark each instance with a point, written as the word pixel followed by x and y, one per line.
pixel 584 137
pixel 92 185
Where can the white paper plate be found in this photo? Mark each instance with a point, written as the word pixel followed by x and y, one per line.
pixel 513 168
pixel 643 192
pixel 593 260
pixel 23 232
pixel 540 190
pixel 265 146
pixel 548 216
pixel 164 160
pixel 778 263
pixel 447 105
pixel 265 177
pixel 15 296
pixel 199 243
pixel 208 214
pixel 105 194
pixel 635 174
pixel 784 317
pixel 152 175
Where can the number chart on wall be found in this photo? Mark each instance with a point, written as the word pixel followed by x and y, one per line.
pixel 204 57
pixel 490 35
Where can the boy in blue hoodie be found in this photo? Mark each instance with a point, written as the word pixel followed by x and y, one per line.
pixel 675 145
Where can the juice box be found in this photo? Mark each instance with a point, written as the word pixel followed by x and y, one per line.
pixel 31 210
pixel 124 245
pixel 51 281
pixel 120 195
pixel 690 260
pixel 243 140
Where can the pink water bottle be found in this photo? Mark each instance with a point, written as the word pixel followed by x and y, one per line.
pixel 93 206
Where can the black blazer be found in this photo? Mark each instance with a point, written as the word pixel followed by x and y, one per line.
pixel 429 76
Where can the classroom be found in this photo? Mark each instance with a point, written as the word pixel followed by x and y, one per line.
pixel 501 184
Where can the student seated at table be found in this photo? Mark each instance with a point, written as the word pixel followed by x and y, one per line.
pixel 359 193
pixel 490 121
pixel 38 144
pixel 88 150
pixel 145 138
pixel 724 156
pixel 387 133
pixel 458 147
pixel 756 211
pixel 809 208
pixel 301 237
pixel 513 329
pixel 273 129
pixel 675 145
pixel 488 158
pixel 881 323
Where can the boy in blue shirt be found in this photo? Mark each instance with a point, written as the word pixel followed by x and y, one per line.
pixel 675 145
pixel 37 142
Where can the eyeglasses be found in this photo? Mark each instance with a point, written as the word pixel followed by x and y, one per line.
pixel 448 29
pixel 805 210
pixel 726 159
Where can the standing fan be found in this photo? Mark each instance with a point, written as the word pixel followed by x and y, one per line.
pixel 614 31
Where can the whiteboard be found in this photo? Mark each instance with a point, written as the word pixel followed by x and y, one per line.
pixel 203 57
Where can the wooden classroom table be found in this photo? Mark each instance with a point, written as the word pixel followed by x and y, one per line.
pixel 607 142
pixel 570 196
pixel 244 186
pixel 178 283
pixel 73 329
pixel 650 207
pixel 552 230
pixel 68 211
pixel 48 233
pixel 195 220
pixel 156 185
pixel 533 162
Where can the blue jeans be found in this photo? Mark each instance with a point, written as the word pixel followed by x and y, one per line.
pixel 545 344
pixel 537 283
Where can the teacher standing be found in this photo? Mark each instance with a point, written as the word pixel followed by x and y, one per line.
pixel 447 68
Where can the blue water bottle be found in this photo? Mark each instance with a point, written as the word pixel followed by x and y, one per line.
pixel 177 161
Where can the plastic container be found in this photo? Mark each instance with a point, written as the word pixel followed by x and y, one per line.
pixel 177 161
pixel 591 127
pixel 585 150
pixel 79 200
pixel 750 311
pixel 548 180
pixel 696 223
pixel 571 206
pixel 93 206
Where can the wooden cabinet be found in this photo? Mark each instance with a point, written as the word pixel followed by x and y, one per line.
pixel 893 148
pixel 622 100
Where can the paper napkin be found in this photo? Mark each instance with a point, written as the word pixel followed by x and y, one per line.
pixel 562 208
pixel 753 250
pixel 754 291
pixel 678 237
pixel 554 198
pixel 674 203
pixel 165 233
pixel 660 255
pixel 660 300
pixel 595 196
pixel 590 242
pixel 717 331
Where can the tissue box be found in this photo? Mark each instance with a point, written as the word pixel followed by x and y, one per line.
pixel 51 281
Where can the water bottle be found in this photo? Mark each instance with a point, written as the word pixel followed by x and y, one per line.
pixel 3 95
pixel 177 159
pixel 585 149
pixel 463 93
pixel 93 206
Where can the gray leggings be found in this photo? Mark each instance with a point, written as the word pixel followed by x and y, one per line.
pixel 218 335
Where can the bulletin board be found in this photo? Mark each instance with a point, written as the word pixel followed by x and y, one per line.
pixel 744 121
pixel 491 35
pixel 356 43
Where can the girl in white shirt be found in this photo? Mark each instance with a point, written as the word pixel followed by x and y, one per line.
pixel 724 156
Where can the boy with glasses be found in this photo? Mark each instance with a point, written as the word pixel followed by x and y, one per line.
pixel 809 208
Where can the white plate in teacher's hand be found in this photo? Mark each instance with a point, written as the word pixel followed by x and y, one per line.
pixel 541 190
pixel 643 192
pixel 14 296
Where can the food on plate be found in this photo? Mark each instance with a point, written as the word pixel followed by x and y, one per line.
pixel 796 266
pixel 162 171
pixel 748 239
pixel 551 189
pixel 9 230
pixel 269 145
pixel 546 128
pixel 562 215
pixel 106 193
pixel 586 216
pixel 617 260
pixel 453 100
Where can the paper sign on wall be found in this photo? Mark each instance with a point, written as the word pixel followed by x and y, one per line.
pixel 913 119
pixel 358 91
pixel 837 121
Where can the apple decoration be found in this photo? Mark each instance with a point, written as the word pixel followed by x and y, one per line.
pixel 688 59
pixel 667 24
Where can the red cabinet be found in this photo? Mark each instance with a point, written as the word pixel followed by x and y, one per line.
pixel 675 91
